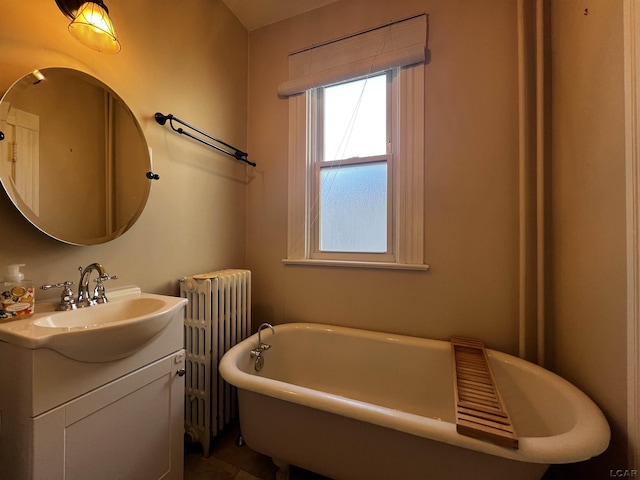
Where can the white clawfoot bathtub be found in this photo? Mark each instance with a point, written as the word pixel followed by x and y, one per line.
pixel 356 404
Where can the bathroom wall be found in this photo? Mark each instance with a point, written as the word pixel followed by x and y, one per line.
pixel 471 204
pixel 188 58
pixel 192 58
pixel 587 316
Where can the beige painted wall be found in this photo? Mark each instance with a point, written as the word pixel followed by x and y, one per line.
pixel 587 321
pixel 190 58
pixel 187 58
pixel 471 219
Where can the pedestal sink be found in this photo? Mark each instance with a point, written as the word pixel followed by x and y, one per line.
pixel 101 333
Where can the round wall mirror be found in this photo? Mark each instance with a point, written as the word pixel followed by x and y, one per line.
pixel 73 158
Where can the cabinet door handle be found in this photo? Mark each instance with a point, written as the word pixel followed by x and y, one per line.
pixel 181 372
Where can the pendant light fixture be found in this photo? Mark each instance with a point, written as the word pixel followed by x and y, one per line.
pixel 91 24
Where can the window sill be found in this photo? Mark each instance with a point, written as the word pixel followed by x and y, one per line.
pixel 354 264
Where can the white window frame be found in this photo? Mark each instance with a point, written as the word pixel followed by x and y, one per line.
pixel 315 111
pixel 406 188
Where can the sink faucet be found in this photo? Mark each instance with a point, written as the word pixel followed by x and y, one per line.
pixel 67 302
pixel 84 300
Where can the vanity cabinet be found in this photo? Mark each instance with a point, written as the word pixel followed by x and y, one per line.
pixel 62 419
pixel 123 430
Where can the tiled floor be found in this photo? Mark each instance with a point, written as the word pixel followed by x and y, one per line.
pixel 231 462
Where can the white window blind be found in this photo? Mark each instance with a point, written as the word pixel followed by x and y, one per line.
pixel 396 44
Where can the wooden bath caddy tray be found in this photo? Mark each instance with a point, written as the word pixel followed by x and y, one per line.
pixel 480 412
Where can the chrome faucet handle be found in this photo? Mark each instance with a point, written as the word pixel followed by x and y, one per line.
pixel 256 352
pixel 104 278
pixel 99 293
pixel 67 301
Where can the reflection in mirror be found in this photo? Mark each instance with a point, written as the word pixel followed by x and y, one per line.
pixel 74 158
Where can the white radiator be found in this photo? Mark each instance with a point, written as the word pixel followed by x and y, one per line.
pixel 218 315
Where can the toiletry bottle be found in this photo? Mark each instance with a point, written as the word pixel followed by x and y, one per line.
pixel 17 297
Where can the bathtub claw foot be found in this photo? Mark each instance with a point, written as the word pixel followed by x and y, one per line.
pixel 284 469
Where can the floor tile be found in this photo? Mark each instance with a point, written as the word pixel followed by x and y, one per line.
pixel 228 461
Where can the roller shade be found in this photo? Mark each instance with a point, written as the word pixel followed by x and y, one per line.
pixel 393 45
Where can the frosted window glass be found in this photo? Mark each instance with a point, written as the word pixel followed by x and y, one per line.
pixel 355 119
pixel 353 208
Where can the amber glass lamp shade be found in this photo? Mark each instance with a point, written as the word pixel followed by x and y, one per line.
pixel 93 28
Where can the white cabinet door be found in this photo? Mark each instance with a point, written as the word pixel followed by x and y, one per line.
pixel 131 428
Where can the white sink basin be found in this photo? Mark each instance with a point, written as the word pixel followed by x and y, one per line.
pixel 101 333
pixel 99 315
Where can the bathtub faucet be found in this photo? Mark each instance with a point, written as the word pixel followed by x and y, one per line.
pixel 264 346
pixel 256 352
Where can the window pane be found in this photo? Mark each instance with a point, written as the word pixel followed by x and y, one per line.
pixel 353 208
pixel 355 119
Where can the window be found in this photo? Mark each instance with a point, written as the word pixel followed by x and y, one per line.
pixel 349 156
pixel 356 158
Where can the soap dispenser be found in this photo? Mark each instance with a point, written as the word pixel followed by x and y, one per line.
pixel 18 297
